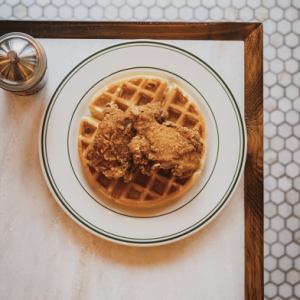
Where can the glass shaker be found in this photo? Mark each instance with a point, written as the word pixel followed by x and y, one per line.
pixel 23 64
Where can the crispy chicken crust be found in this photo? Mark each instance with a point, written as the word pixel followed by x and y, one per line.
pixel 109 153
pixel 163 145
pixel 140 140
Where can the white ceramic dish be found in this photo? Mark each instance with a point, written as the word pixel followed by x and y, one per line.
pixel 226 143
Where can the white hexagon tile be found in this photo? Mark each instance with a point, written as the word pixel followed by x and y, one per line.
pixel 281 105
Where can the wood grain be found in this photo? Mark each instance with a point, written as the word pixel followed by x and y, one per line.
pixel 252 35
pixel 253 188
pixel 131 30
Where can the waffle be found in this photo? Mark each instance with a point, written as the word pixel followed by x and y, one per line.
pixel 144 191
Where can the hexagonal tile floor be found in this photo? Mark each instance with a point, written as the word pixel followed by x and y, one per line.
pixel 281 108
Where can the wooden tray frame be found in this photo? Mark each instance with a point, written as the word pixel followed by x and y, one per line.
pixel 252 35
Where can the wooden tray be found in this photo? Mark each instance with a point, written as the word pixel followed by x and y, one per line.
pixel 252 35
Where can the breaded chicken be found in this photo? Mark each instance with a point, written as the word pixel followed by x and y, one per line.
pixel 163 145
pixel 109 153
pixel 139 140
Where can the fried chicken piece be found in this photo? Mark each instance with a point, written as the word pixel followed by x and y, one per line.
pixel 139 140
pixel 109 154
pixel 163 145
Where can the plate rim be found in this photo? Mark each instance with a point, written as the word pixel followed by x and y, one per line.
pixel 149 241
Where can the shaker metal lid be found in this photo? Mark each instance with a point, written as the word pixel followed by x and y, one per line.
pixel 22 61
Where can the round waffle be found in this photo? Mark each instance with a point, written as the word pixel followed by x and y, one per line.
pixel 161 186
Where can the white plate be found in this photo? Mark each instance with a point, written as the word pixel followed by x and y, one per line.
pixel 226 143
